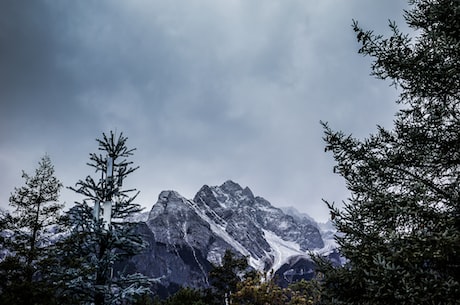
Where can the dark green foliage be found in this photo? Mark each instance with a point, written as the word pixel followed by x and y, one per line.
pixel 93 247
pixel 27 239
pixel 305 292
pixel 146 299
pixel 243 287
pixel 224 278
pixel 187 296
pixel 401 225
pixel 258 289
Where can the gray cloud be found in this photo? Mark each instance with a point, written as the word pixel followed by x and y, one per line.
pixel 206 90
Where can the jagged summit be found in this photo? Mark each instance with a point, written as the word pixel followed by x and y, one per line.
pixel 197 232
pixel 231 187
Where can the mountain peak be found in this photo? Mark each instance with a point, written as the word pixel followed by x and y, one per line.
pixel 187 236
pixel 166 196
pixel 234 189
pixel 168 202
pixel 247 192
pixel 231 187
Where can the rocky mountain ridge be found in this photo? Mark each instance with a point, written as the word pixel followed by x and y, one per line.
pixel 187 236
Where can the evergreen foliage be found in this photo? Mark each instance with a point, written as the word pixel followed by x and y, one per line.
pixel 305 292
pixel 401 226
pixel 27 238
pixel 94 247
pixel 187 296
pixel 225 278
pixel 259 290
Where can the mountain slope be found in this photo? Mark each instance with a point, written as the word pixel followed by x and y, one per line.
pixel 196 233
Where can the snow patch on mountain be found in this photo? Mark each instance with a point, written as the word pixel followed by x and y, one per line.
pixel 327 230
pixel 299 216
pixel 219 229
pixel 189 235
pixel 282 250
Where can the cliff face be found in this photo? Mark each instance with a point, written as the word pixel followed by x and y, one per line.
pixel 187 236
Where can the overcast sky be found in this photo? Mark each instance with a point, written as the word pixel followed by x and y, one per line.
pixel 206 90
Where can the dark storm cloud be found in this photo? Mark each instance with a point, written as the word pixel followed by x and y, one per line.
pixel 29 53
pixel 206 90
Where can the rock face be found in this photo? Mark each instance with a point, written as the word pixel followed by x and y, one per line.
pixel 187 236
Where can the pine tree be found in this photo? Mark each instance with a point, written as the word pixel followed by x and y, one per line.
pixel 304 292
pixel 188 296
pixel 401 226
pixel 101 235
pixel 259 289
pixel 225 278
pixel 27 237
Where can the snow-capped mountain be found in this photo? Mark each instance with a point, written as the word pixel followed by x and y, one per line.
pixel 188 235
pixel 327 229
